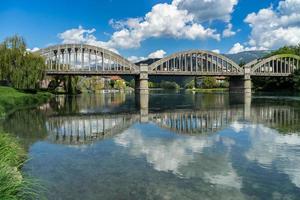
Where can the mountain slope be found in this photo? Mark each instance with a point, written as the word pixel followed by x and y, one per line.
pixel 246 56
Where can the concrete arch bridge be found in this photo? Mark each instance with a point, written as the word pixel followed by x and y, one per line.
pixel 87 60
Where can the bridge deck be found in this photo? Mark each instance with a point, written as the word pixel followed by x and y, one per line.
pixel 158 73
pixel 90 73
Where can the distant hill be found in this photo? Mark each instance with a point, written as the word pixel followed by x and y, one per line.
pixel 247 56
pixel 149 61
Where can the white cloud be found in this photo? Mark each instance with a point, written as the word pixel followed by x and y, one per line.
pixel 228 31
pixel 275 27
pixel 33 50
pixel 180 19
pixel 164 155
pixel 135 59
pixel 77 35
pixel 207 10
pixel 156 54
pixel 237 48
pixel 83 36
pixel 164 20
pixel 216 51
pixel 268 147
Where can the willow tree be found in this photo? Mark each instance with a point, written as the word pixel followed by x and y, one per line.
pixel 21 68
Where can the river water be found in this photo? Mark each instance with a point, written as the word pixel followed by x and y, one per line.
pixel 168 145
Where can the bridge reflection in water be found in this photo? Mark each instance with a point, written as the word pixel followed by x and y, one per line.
pixel 86 129
pixel 78 128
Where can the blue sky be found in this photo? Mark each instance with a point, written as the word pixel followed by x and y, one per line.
pixel 173 25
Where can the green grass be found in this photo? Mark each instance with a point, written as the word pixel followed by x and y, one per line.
pixel 13 185
pixel 11 99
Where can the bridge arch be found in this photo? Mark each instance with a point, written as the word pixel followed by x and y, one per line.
pixel 277 65
pixel 84 58
pixel 196 62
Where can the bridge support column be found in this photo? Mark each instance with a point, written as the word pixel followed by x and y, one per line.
pixel 241 84
pixel 144 108
pixel 247 106
pixel 236 84
pixel 141 81
pixel 142 102
pixel 247 80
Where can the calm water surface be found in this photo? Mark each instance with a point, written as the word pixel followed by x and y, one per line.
pixel 166 145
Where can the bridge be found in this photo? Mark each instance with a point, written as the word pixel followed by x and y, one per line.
pixel 87 60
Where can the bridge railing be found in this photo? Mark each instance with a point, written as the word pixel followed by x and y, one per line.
pixel 277 65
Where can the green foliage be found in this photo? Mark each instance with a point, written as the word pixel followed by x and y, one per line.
pixel 169 85
pixel 280 83
pixel 153 85
pixel 11 99
pixel 190 85
pixel 224 84
pixel 296 79
pixel 131 83
pixel 272 83
pixel 119 84
pixel 242 63
pixel 21 68
pixel 286 50
pixel 209 82
pixel 13 185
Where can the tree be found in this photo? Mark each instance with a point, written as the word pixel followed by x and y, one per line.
pixel 275 83
pixel 296 79
pixel 209 82
pixel 169 85
pixel 131 83
pixel 190 85
pixel 119 84
pixel 21 68
pixel 286 50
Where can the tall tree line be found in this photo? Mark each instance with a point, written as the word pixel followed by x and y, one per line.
pixel 18 67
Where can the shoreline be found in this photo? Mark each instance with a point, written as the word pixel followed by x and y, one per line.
pixel 14 185
pixel 12 100
pixel 208 90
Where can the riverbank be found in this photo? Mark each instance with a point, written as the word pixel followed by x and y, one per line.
pixel 13 185
pixel 208 90
pixel 11 100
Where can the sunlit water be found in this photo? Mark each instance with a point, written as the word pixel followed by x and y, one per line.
pixel 166 145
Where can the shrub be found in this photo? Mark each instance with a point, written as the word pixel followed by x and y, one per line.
pixel 169 85
pixel 209 82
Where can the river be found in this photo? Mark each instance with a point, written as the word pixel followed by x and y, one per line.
pixel 168 145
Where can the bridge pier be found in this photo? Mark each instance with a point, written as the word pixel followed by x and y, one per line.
pixel 144 108
pixel 141 80
pixel 241 84
pixel 247 106
pixel 142 103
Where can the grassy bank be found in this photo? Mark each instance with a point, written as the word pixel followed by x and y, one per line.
pixel 11 99
pixel 13 186
pixel 209 90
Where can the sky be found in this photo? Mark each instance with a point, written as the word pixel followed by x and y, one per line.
pixel 139 29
